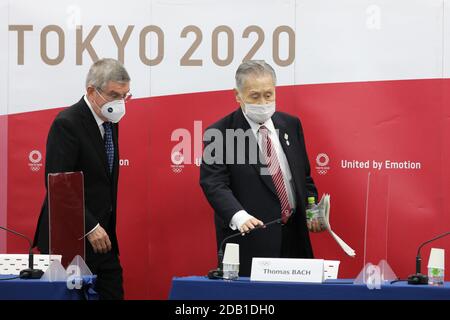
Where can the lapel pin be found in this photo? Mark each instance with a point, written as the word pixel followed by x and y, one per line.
pixel 286 137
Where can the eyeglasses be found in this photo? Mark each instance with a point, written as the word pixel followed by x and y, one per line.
pixel 115 96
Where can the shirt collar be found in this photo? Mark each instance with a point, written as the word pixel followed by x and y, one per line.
pixel 96 117
pixel 255 126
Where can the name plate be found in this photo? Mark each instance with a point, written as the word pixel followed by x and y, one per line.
pixel 287 270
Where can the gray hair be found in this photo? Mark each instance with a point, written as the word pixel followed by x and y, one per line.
pixel 104 71
pixel 253 67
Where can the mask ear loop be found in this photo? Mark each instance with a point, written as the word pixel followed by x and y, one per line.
pixel 96 90
pixel 97 106
pixel 242 103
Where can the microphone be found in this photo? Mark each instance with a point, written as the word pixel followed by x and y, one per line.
pixel 29 273
pixel 218 273
pixel 418 277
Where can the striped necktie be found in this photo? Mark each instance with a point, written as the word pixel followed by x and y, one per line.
pixel 273 166
pixel 109 145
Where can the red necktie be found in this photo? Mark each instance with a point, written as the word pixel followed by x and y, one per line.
pixel 273 165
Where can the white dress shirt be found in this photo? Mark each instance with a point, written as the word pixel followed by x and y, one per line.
pixel 102 132
pixel 240 217
pixel 96 117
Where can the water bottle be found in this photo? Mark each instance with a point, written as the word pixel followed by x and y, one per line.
pixel 436 266
pixel 312 211
pixel 435 276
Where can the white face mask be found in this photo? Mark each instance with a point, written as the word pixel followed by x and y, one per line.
pixel 260 113
pixel 114 110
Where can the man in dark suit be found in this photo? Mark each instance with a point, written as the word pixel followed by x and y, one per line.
pixel 84 137
pixel 246 188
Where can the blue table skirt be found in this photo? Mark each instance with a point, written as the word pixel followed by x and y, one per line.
pixel 202 288
pixel 30 289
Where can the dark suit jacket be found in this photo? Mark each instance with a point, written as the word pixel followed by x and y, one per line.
pixel 233 187
pixel 75 143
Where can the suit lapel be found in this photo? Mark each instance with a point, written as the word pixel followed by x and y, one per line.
pixel 242 123
pixel 94 133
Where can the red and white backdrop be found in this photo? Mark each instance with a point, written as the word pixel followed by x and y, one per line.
pixel 369 80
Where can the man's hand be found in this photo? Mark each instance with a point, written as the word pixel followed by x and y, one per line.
pixel 249 225
pixel 99 240
pixel 314 225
